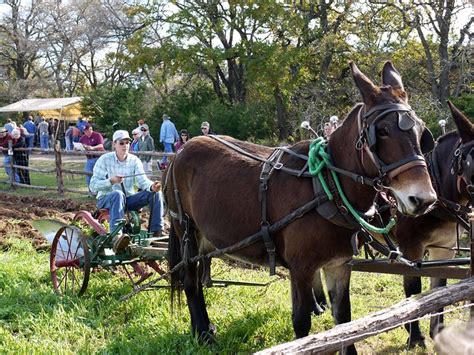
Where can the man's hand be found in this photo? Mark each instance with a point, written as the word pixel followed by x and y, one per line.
pixel 116 179
pixel 156 186
pixel 87 147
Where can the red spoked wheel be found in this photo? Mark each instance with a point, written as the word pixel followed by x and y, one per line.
pixel 69 261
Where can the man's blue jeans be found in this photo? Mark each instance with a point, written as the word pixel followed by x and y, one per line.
pixel 90 168
pixel 168 149
pixel 8 170
pixel 44 141
pixel 117 204
pixel 29 140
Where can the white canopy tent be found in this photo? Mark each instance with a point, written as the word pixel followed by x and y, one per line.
pixel 62 108
pixel 41 104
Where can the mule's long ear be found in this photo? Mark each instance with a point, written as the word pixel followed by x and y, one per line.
pixel 463 124
pixel 390 76
pixel 365 86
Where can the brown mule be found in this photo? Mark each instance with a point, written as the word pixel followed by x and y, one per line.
pixel 451 166
pixel 212 192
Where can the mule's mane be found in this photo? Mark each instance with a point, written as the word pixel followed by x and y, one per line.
pixel 447 136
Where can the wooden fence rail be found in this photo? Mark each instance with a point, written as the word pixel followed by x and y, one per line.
pixel 378 322
pixel 58 169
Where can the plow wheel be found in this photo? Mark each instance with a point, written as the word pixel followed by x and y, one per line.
pixel 139 271
pixel 69 261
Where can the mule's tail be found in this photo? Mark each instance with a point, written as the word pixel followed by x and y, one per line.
pixel 174 258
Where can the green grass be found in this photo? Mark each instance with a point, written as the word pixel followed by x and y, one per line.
pixel 33 319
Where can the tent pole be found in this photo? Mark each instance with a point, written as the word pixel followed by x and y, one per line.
pixel 59 123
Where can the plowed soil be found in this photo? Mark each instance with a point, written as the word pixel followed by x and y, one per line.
pixel 17 212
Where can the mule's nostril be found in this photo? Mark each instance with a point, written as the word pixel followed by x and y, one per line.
pixel 417 202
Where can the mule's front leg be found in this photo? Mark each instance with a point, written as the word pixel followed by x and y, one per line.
pixel 338 281
pixel 302 301
pixel 412 286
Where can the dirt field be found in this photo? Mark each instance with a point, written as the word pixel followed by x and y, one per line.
pixel 17 212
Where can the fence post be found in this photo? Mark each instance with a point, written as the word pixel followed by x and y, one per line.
pixel 12 170
pixel 59 172
pixel 470 189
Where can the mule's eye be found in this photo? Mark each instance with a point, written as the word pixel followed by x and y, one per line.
pixel 383 131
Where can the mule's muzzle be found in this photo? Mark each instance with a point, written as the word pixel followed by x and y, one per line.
pixel 421 205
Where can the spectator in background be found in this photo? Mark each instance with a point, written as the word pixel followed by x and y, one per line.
pixel 168 136
pixel 92 141
pixel 206 129
pixel 10 125
pixel 76 134
pixel 328 129
pixel 146 144
pixel 68 136
pixel 183 138
pixel 140 123
pixel 5 138
pixel 43 129
pixel 31 129
pixel 81 124
pixel 136 134
pixel 20 157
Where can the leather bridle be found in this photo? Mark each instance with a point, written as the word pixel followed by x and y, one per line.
pixel 367 141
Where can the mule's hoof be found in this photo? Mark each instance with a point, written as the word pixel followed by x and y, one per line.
pixel 319 309
pixel 212 329
pixel 207 338
pixel 412 342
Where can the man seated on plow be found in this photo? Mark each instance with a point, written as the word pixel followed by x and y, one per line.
pixel 114 178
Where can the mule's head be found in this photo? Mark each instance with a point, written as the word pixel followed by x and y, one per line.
pixel 392 140
pixel 463 163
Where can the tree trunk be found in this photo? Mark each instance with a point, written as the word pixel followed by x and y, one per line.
pixel 282 114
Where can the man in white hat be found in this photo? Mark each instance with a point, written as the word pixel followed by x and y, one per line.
pixel 114 178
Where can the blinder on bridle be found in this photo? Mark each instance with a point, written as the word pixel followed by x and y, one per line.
pixel 406 121
pixel 463 162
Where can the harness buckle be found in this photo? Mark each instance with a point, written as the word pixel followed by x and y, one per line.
pixel 394 255
pixel 278 166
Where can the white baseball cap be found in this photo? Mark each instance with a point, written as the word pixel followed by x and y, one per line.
pixel 120 135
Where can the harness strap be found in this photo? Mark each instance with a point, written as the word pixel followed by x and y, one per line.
pixel 449 210
pixel 267 169
pixel 303 172
pixel 177 199
pixel 391 254
pixel 404 165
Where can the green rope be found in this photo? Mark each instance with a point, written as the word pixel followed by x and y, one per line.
pixel 318 160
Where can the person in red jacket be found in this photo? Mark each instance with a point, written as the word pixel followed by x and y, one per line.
pixel 6 142
pixel 91 141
